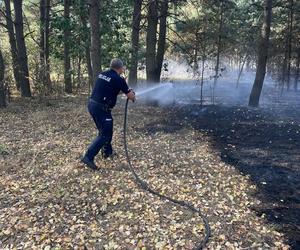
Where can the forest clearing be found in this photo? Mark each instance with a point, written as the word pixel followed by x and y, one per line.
pixel 149 124
pixel 49 199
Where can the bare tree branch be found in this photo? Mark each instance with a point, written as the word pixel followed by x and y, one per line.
pixel 30 31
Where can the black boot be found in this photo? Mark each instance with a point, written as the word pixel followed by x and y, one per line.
pixel 89 163
pixel 111 156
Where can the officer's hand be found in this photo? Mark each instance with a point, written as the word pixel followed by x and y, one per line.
pixel 131 95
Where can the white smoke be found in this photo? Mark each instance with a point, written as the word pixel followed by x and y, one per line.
pixel 179 87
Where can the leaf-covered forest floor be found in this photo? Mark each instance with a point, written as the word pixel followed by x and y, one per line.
pixel 239 166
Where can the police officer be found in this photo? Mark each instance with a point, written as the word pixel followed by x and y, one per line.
pixel 104 96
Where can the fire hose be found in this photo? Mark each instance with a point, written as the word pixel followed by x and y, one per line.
pixel 145 186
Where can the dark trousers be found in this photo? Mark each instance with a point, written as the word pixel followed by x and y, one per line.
pixel 104 122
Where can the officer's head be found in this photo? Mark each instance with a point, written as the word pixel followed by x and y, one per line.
pixel 117 65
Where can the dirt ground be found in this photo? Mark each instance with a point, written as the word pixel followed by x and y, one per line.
pixel 239 166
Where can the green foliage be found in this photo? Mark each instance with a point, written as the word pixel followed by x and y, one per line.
pixel 193 32
pixel 115 32
pixel 198 28
pixel 115 29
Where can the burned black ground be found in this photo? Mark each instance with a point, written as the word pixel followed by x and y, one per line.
pixel 263 144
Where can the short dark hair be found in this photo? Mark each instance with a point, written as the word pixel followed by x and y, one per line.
pixel 116 63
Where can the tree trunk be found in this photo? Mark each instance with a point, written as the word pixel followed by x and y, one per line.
pixel 83 18
pixel 73 66
pixel 44 73
pixel 195 56
pixel 262 56
pixel 12 42
pixel 42 38
pixel 79 71
pixel 67 61
pixel 218 50
pixel 89 66
pixel 22 51
pixel 151 40
pixel 297 71
pixel 204 57
pixel 2 87
pixel 94 19
pixel 241 71
pixel 290 36
pixel 135 38
pixel 161 45
pixel 195 62
pixel 154 59
pixel 47 50
pixel 202 81
pixel 284 66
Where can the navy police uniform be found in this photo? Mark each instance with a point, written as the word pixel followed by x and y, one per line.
pixel 103 99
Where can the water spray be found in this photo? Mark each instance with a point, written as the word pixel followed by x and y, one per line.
pixel 151 89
